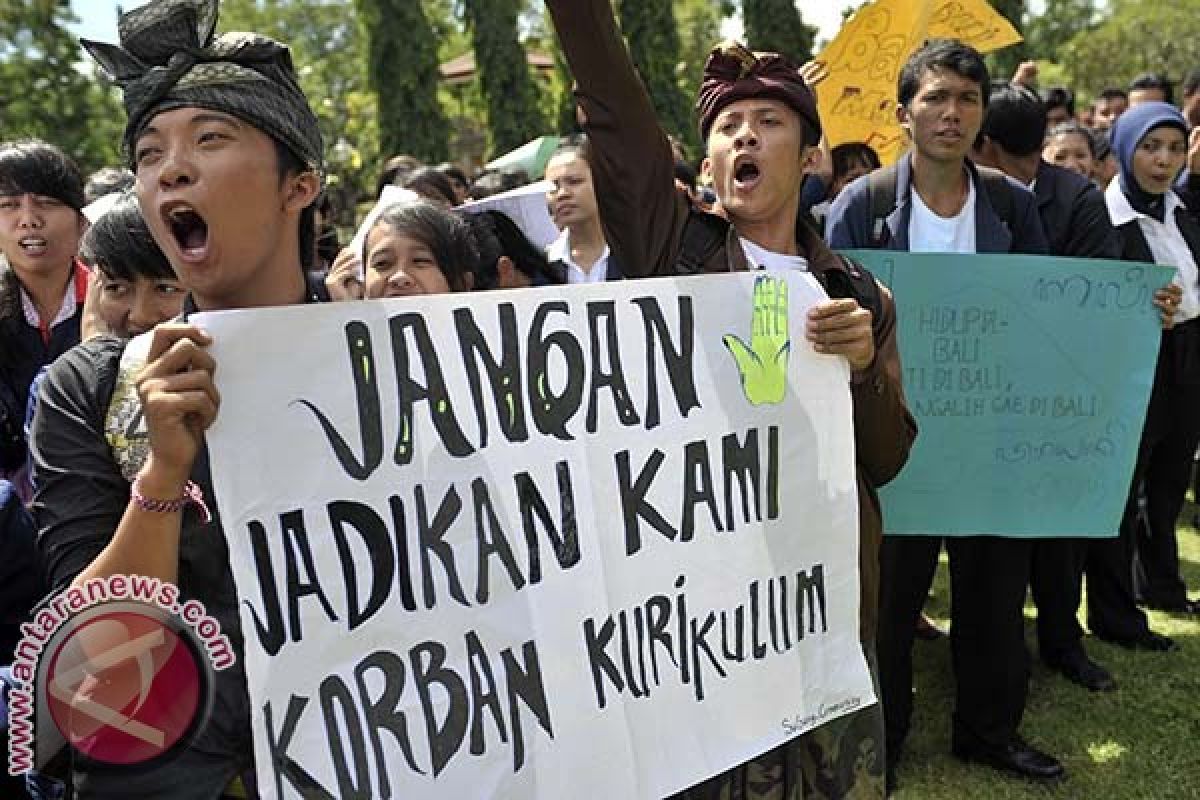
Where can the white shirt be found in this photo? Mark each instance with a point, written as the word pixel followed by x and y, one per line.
pixel 762 258
pixel 1167 245
pixel 930 233
pixel 560 250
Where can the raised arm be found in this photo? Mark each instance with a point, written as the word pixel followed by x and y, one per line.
pixel 632 165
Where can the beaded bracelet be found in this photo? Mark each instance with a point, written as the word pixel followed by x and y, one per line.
pixel 192 495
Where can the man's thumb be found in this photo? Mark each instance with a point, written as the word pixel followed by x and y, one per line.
pixel 742 354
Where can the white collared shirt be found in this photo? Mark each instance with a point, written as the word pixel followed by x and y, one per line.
pixel 1166 242
pixel 762 258
pixel 65 311
pixel 560 250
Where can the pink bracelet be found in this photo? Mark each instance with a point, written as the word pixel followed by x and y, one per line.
pixel 192 495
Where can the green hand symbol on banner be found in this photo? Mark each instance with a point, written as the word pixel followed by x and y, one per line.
pixel 763 364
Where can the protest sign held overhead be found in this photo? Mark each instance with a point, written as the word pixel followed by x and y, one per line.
pixel 596 542
pixel 1029 377
pixel 857 100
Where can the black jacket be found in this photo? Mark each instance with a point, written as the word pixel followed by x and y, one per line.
pixel 1074 215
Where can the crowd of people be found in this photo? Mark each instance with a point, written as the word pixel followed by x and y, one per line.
pixel 221 207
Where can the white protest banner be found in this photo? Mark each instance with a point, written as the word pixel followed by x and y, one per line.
pixel 587 542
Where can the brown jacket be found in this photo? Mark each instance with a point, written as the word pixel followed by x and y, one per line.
pixel 644 218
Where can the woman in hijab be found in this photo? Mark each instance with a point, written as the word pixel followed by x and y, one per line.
pixel 1156 225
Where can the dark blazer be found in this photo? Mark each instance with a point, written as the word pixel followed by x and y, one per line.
pixel 1179 360
pixel 1074 215
pixel 849 224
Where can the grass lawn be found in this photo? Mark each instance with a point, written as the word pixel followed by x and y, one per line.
pixel 1141 742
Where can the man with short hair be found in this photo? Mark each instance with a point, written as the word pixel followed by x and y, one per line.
pixel 1111 104
pixel 1060 106
pixel 42 283
pixel 227 154
pixel 1076 221
pixel 940 202
pixel 759 121
pixel 1150 87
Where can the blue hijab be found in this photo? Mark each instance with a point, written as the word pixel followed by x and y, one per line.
pixel 1129 129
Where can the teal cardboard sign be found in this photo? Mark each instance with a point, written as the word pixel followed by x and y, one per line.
pixel 1029 377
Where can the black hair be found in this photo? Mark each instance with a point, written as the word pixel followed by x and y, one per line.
pixel 1191 83
pixel 1067 128
pixel 686 173
pixel 31 166
pixel 431 185
pixel 1059 97
pixel 1151 80
pixel 290 164
pixel 120 244
pixel 106 181
pixel 497 181
pixel 849 155
pixel 574 145
pixel 1015 119
pixel 496 236
pixel 1102 142
pixel 1112 93
pixel 951 54
pixel 394 171
pixel 453 172
pixel 442 231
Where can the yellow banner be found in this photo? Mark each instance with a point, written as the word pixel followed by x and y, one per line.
pixel 858 99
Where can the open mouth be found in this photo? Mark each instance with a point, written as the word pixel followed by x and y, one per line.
pixel 746 173
pixel 34 245
pixel 189 229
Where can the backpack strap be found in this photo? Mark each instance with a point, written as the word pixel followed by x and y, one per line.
pixel 1000 195
pixel 881 194
pixel 703 235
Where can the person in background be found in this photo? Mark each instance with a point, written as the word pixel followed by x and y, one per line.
pixel 497 181
pixel 109 180
pixel 458 181
pixel 417 249
pixel 1104 169
pixel 1155 224
pixel 507 259
pixel 1072 147
pixel 1112 103
pixel 1060 105
pixel 943 204
pixel 42 284
pixel 1191 99
pixel 136 285
pixel 395 170
pixel 1076 222
pixel 580 253
pixel 1150 87
pixel 850 160
pixel 431 185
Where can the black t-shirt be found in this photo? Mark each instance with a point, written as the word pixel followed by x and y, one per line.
pixel 81 496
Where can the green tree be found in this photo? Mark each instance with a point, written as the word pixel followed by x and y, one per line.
pixel 775 25
pixel 44 93
pixel 699 29
pixel 514 114
pixel 1058 23
pixel 402 70
pixel 1137 36
pixel 328 49
pixel 650 31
